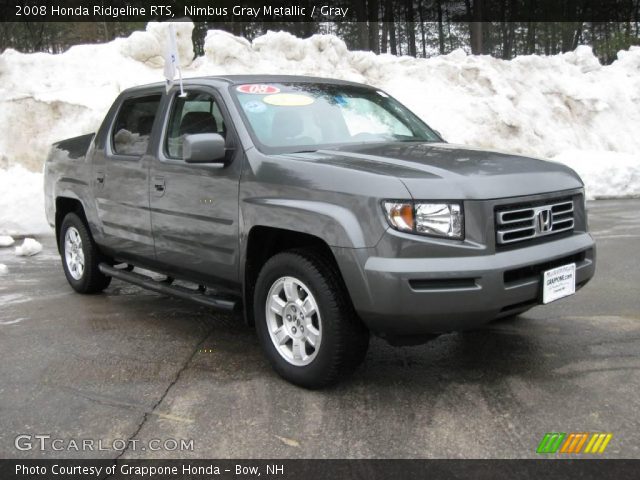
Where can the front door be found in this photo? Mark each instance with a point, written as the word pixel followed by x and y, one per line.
pixel 194 207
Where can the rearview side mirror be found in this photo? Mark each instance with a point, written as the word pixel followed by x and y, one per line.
pixel 204 148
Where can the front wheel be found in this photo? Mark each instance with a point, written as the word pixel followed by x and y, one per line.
pixel 305 320
pixel 80 256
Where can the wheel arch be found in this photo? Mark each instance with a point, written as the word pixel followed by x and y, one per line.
pixel 64 206
pixel 263 242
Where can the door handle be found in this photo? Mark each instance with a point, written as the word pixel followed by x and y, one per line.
pixel 100 179
pixel 159 185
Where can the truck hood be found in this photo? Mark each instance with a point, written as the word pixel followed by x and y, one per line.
pixel 446 171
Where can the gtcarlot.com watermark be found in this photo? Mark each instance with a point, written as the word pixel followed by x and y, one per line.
pixel 29 442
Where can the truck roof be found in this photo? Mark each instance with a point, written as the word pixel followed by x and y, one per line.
pixel 236 79
pixel 259 78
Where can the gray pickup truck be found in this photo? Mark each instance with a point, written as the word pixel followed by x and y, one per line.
pixel 322 209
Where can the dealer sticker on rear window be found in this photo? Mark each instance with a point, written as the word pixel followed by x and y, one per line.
pixel 559 282
pixel 257 89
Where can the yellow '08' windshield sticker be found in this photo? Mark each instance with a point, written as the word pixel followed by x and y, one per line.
pixel 288 100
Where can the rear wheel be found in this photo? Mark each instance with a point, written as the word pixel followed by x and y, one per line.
pixel 305 320
pixel 81 257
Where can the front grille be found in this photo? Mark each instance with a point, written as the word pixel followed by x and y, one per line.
pixel 517 223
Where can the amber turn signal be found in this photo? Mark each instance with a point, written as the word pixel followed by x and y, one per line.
pixel 400 215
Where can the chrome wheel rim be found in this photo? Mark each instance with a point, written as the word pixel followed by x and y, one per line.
pixel 293 321
pixel 73 253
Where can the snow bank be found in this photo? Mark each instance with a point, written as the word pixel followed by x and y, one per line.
pixel 22 202
pixel 28 248
pixel 567 107
pixel 149 46
pixel 6 241
pixel 4 270
pixel 45 98
pixel 606 174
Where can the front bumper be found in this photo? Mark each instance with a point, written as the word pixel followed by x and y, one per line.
pixel 398 297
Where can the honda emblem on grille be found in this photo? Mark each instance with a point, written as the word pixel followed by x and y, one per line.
pixel 543 220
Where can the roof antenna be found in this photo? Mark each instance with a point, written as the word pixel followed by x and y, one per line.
pixel 172 61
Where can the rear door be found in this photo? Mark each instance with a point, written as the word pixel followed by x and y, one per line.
pixel 194 207
pixel 121 179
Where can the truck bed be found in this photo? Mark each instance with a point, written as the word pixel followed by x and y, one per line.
pixel 66 165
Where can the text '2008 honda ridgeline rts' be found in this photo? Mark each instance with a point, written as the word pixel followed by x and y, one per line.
pixel 323 209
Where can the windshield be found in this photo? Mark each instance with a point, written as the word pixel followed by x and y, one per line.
pixel 297 117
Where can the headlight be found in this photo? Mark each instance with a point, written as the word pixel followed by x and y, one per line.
pixel 426 218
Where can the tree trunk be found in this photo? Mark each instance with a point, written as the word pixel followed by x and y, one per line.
pixel 503 30
pixel 390 21
pixel 577 36
pixel 547 39
pixel 362 36
pixel 476 38
pixel 411 32
pixel 476 29
pixel 393 41
pixel 440 28
pixel 531 39
pixel 450 36
pixel 422 32
pixel 374 34
pixel 508 30
pixel 606 43
pixel 384 39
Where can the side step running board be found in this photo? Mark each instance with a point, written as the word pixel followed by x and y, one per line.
pixel 221 304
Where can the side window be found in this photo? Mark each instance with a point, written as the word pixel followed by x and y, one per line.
pixel 130 135
pixel 196 113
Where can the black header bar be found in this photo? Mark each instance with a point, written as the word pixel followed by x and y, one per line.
pixel 319 10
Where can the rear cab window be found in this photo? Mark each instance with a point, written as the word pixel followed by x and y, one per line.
pixel 132 128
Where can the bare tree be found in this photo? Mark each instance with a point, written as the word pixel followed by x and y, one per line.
pixel 441 45
pixel 476 26
pixel 389 19
pixel 374 33
pixel 410 25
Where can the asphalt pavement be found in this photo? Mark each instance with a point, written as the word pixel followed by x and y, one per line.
pixel 129 366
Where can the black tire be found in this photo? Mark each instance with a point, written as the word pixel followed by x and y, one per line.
pixel 92 280
pixel 344 338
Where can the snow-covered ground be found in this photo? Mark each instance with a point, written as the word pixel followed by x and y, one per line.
pixel 566 107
